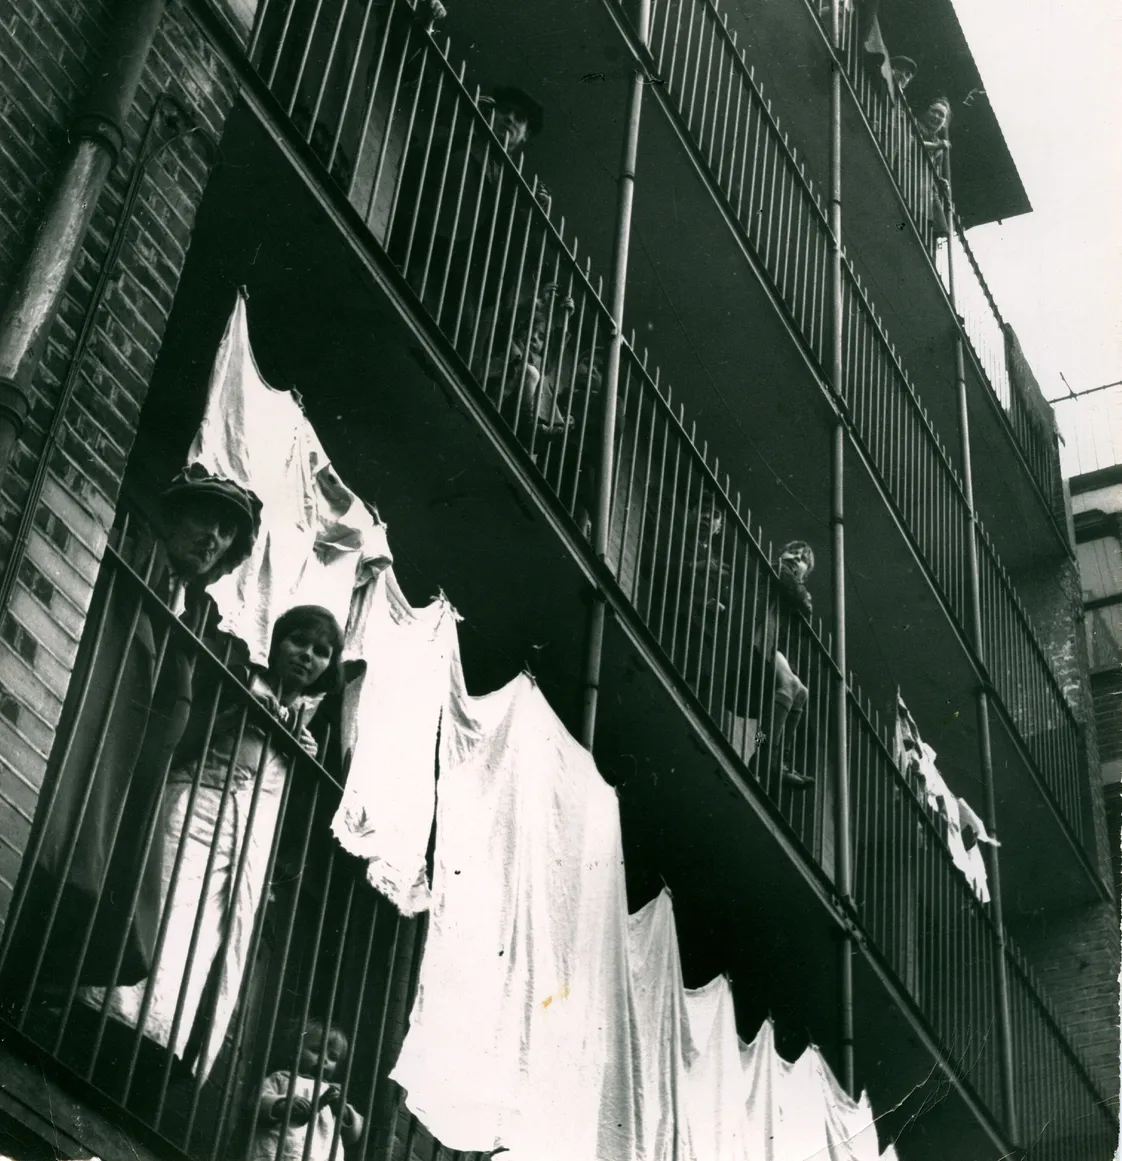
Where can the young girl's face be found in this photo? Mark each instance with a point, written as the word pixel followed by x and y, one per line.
pixel 301 658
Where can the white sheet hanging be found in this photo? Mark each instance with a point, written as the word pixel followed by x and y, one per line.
pixel 715 1105
pixel 519 1028
pixel 662 1039
pixel 386 812
pixel 915 755
pixel 315 533
pixel 851 1132
pixel 759 1064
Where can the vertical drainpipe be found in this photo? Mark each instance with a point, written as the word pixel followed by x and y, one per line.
pixel 96 141
pixel 843 877
pixel 602 516
pixel 985 749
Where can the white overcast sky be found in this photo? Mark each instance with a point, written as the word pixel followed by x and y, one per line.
pixel 1050 68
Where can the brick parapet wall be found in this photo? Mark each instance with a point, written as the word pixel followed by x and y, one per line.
pixel 48 50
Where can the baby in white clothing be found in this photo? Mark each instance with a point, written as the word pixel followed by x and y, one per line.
pixel 306 1119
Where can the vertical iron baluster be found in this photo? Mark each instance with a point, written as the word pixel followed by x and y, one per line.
pixel 656 554
pixel 65 745
pixel 303 65
pixel 426 156
pixel 270 80
pixel 347 95
pixel 318 103
pixel 286 947
pixel 368 116
pixel 99 749
pixel 408 138
pixel 672 428
pixel 641 537
pixel 251 957
pixel 225 807
pixel 683 542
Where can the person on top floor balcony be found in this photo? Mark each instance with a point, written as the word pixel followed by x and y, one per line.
pixel 211 895
pixel 934 127
pixel 127 708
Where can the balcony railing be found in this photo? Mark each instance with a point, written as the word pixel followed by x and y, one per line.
pixel 757 169
pixel 722 108
pixel 392 124
pixel 939 940
pixel 256 923
pixel 1029 688
pixel 918 178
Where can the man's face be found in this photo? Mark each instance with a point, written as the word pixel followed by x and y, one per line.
pixel 511 124
pixel 199 534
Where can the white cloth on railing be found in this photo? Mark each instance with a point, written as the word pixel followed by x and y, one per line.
pixel 316 534
pixel 518 1035
pixel 386 812
pixel 917 759
pixel 661 1034
pixel 715 1107
pixel 974 865
pixel 798 1111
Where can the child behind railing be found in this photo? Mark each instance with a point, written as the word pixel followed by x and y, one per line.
pixel 316 1104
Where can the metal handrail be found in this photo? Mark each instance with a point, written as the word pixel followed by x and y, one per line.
pixel 900 141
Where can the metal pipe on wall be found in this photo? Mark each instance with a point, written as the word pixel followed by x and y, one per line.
pixel 97 140
pixel 985 747
pixel 843 868
pixel 620 251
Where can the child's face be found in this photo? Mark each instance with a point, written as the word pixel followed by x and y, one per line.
pixel 301 658
pixel 797 561
pixel 333 1051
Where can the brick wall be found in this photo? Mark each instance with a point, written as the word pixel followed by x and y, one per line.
pixel 1075 955
pixel 48 49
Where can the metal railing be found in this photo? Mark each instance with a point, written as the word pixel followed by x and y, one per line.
pixel 939 940
pixel 765 185
pixel 924 918
pixel 900 439
pixel 257 924
pixel 419 158
pixel 714 92
pixel 910 458
pixel 989 338
pixel 1029 689
pixel 685 557
pixel 1064 1115
pixel 919 173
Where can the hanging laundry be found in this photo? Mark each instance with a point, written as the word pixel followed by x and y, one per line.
pixel 715 1107
pixel 800 1111
pixel 916 759
pixel 386 812
pixel 759 1064
pixel 851 1131
pixel 317 537
pixel 973 833
pixel 661 1036
pixel 519 1033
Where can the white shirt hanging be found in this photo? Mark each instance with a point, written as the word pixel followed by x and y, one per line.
pixel 386 812
pixel 315 533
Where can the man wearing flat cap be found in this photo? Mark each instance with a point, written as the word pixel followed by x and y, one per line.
pixel 129 700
